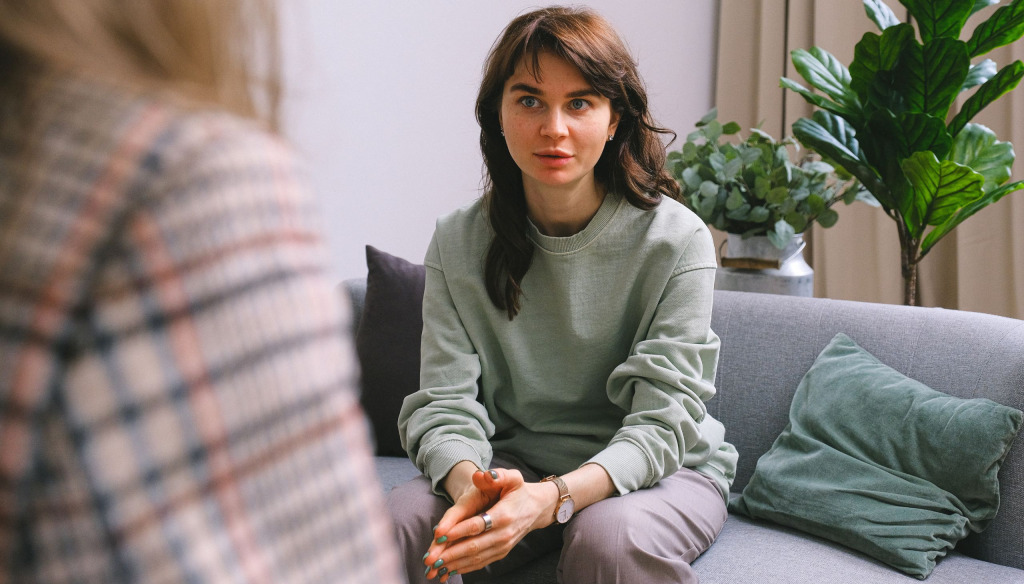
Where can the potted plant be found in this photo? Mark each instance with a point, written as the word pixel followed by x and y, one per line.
pixel 888 119
pixel 751 190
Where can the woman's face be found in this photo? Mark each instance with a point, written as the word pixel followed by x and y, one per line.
pixel 556 126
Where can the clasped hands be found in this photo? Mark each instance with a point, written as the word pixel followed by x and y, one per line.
pixel 461 544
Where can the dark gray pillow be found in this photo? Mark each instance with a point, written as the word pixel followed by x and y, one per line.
pixel 388 342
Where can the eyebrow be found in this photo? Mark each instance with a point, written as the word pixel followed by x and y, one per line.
pixel 589 92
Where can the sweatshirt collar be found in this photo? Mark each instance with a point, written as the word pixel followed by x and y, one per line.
pixel 578 241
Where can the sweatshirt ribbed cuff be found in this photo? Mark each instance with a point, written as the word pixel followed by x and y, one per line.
pixel 441 457
pixel 627 465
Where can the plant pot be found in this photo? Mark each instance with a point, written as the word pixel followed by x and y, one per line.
pixel 755 265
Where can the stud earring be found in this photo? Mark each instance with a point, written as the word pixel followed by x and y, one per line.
pixel 502 130
pixel 610 137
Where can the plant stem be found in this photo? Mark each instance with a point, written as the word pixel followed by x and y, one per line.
pixel 909 259
pixel 910 285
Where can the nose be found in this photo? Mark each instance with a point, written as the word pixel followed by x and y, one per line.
pixel 554 125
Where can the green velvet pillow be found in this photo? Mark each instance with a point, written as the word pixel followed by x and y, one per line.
pixel 881 463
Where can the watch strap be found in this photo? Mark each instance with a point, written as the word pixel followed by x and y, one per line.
pixel 563 491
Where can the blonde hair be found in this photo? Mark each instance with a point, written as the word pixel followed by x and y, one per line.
pixel 199 53
pixel 220 53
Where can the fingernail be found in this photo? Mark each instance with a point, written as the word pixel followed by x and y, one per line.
pixel 438 563
pixel 442 571
pixel 427 571
pixel 442 539
pixel 453 572
pixel 494 474
pixel 435 527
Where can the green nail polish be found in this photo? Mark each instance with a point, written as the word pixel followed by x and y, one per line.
pixel 438 563
pixel 427 571
pixel 425 555
pixel 442 539
pixel 494 474
pixel 442 571
pixel 435 527
pixel 452 573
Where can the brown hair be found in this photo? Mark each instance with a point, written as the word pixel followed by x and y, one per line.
pixel 633 164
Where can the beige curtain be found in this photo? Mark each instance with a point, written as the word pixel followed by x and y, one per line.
pixel 978 267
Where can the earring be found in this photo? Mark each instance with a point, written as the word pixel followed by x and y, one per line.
pixel 610 137
pixel 502 131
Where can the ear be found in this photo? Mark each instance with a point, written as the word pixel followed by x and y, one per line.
pixel 613 124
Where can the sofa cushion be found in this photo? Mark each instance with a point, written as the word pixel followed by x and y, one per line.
pixel 882 463
pixel 748 550
pixel 388 342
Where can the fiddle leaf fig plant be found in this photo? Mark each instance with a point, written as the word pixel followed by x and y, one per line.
pixel 890 121
pixel 752 187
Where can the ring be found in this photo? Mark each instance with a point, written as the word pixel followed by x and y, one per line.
pixel 487 521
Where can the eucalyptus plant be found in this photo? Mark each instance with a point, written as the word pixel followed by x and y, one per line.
pixel 751 187
pixel 888 119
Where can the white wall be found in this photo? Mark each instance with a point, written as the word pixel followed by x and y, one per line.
pixel 380 99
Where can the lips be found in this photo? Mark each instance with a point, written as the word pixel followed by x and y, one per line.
pixel 553 158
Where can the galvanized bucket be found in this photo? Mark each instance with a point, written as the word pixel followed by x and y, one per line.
pixel 755 265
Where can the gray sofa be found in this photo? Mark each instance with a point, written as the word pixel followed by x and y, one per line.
pixel 768 343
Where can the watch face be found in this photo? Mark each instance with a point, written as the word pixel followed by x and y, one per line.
pixel 565 510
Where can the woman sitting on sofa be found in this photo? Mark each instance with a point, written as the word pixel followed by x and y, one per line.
pixel 566 341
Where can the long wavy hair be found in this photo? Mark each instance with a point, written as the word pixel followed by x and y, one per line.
pixel 633 164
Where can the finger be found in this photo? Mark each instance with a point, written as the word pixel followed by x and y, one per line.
pixel 485 479
pixel 474 525
pixel 462 510
pixel 499 482
pixel 472 554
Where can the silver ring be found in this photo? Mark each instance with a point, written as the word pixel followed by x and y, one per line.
pixel 487 521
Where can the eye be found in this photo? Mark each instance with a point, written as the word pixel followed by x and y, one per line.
pixel 579 104
pixel 529 101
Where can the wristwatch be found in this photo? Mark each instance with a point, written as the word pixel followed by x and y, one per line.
pixel 565 506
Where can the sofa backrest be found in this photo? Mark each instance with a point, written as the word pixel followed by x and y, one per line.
pixel 770 341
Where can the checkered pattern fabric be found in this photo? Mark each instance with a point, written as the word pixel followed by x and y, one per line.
pixel 177 392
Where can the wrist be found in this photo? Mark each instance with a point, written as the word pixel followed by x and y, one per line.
pixel 459 479
pixel 547 501
pixel 565 506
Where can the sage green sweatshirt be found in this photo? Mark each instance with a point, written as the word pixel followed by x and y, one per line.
pixel 610 360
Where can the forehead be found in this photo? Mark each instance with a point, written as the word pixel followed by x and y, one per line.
pixel 548 70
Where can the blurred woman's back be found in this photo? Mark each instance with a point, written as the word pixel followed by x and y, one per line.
pixel 176 380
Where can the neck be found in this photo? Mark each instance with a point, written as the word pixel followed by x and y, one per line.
pixel 565 211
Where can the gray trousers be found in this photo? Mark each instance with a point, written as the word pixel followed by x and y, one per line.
pixel 650 535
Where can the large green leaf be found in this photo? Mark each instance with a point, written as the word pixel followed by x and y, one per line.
pixel 977 147
pixel 929 76
pixel 1002 28
pixel 919 132
pixel 873 55
pixel 813 98
pixel 970 209
pixel 979 73
pixel 939 18
pixel 886 141
pixel 881 146
pixel 1003 81
pixel 938 191
pixel 826 74
pixel 830 136
pixel 881 14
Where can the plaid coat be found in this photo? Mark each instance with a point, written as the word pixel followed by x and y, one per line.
pixel 177 397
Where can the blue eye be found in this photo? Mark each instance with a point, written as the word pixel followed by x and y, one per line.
pixel 578 104
pixel 529 101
